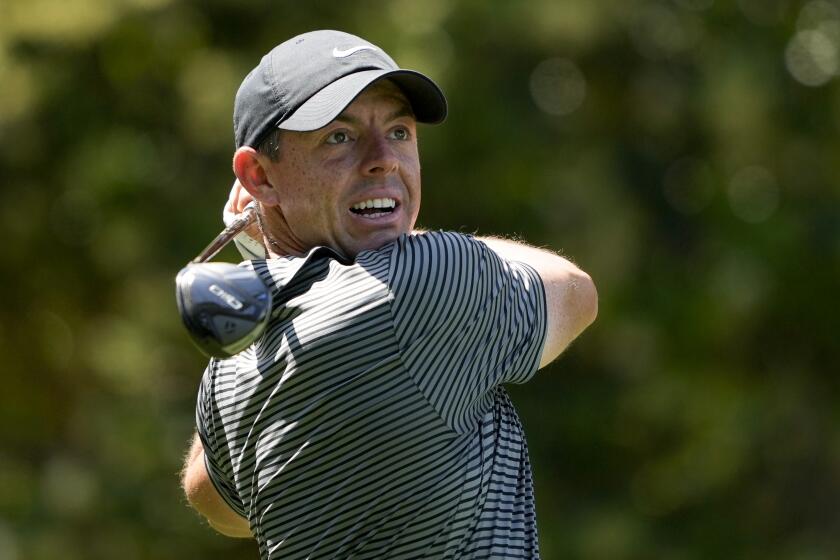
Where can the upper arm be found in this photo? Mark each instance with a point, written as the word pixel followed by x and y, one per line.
pixel 570 295
pixel 203 496
pixel 465 319
pixel 206 479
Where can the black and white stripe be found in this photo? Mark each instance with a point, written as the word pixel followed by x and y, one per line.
pixel 369 421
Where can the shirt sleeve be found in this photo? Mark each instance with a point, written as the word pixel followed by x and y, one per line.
pixel 218 470
pixel 466 320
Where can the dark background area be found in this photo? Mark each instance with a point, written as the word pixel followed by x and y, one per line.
pixel 684 152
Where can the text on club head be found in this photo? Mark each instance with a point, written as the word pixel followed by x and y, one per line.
pixel 226 297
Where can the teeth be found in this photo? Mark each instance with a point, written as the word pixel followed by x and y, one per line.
pixel 376 203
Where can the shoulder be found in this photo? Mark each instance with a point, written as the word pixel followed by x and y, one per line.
pixel 435 239
pixel 436 249
pixel 437 273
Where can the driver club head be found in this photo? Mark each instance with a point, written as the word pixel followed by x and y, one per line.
pixel 224 307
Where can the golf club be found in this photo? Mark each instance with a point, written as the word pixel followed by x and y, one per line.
pixel 224 307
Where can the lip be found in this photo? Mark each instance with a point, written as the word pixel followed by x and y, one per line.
pixel 389 219
pixel 370 195
pixel 385 220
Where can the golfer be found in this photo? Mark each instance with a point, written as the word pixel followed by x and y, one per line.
pixel 370 420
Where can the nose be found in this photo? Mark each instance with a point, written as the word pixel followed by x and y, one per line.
pixel 380 158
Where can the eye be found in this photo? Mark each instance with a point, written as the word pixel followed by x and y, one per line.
pixel 400 133
pixel 338 137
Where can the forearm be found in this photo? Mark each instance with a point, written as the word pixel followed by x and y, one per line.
pixel 571 297
pixel 203 496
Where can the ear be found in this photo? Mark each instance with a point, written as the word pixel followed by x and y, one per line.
pixel 251 173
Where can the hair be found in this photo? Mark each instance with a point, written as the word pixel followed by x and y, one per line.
pixel 270 145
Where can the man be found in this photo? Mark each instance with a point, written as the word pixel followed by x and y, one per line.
pixel 369 421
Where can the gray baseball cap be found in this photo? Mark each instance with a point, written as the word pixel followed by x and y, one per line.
pixel 304 83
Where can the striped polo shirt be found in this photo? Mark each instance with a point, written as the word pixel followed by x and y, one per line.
pixel 369 421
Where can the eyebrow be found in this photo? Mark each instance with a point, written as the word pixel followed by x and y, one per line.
pixel 403 111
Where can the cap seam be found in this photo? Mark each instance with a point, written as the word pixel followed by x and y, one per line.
pixel 279 98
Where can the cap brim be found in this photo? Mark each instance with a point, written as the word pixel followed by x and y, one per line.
pixel 426 98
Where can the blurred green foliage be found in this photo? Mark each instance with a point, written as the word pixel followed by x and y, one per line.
pixel 684 152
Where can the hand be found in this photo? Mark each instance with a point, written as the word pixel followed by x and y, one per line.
pixel 237 201
pixel 239 198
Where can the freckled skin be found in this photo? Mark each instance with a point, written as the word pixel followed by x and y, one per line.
pixel 369 151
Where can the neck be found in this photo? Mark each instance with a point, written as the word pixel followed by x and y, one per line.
pixel 278 246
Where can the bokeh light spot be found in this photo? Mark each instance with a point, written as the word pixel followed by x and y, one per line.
pixel 659 32
pixel 69 488
pixel 558 86
pixel 817 13
pixel 811 58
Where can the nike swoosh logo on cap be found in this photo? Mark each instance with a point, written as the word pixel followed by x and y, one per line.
pixel 338 53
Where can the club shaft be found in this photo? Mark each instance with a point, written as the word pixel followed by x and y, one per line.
pixel 244 219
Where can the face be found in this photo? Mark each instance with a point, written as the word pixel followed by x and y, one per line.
pixel 352 185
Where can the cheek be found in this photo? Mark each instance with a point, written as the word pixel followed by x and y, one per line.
pixel 301 189
pixel 306 203
pixel 410 166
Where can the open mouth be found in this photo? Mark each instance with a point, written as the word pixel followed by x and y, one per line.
pixel 375 207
